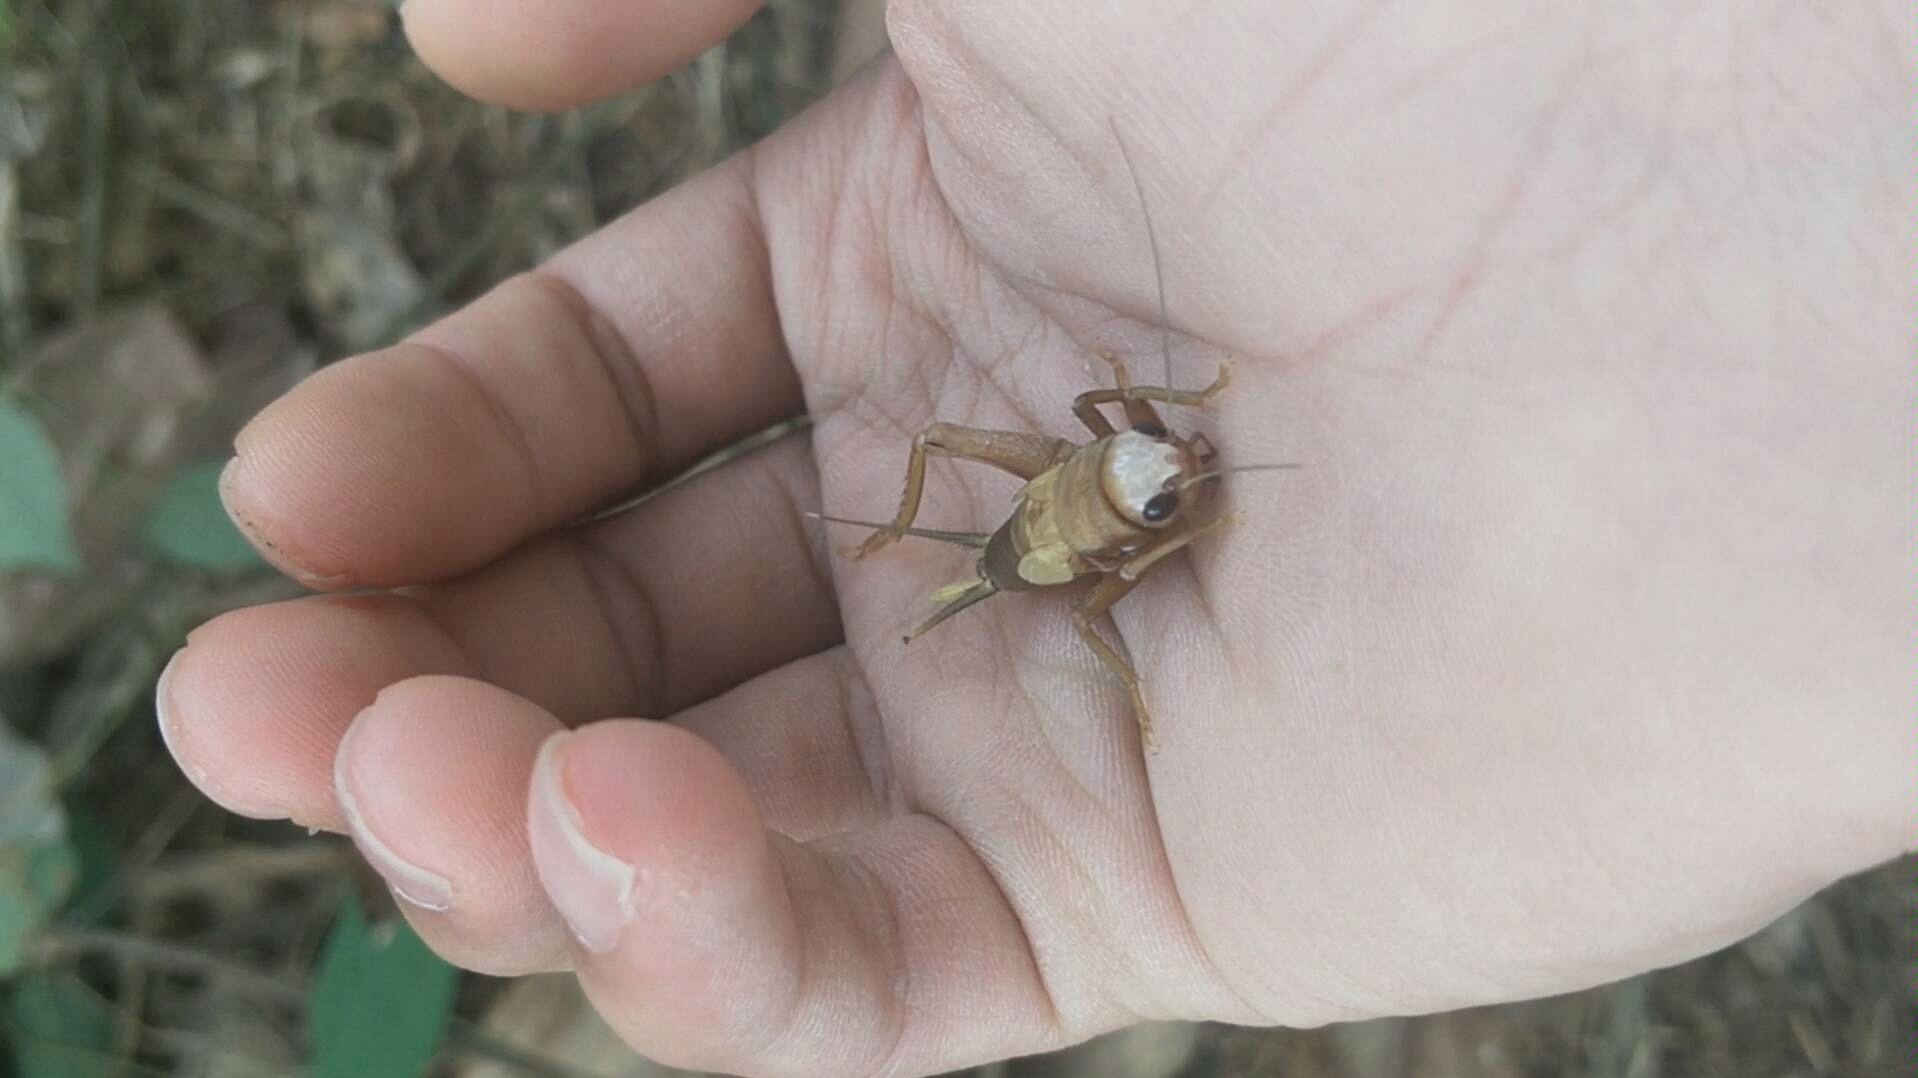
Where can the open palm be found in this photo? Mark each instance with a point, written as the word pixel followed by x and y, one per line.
pixel 1572 648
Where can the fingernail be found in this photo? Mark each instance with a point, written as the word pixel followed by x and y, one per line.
pixel 273 554
pixel 166 713
pixel 163 712
pixel 409 882
pixel 592 889
pixel 228 475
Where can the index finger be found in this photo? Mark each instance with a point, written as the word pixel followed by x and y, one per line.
pixel 628 357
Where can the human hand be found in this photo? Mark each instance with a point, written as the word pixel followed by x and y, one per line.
pixel 1576 647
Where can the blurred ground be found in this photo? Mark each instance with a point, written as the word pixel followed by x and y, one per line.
pixel 201 200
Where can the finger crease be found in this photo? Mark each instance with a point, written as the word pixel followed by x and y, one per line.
pixel 1053 1017
pixel 866 732
pixel 503 417
pixel 626 377
pixel 888 939
pixel 607 578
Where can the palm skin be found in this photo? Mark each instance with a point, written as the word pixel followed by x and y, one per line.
pixel 1572 648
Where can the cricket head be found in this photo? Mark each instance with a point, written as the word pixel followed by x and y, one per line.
pixel 1156 479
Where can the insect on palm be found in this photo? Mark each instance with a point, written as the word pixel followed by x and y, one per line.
pixel 1109 509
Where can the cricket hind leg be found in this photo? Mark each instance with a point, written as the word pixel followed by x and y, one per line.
pixel 1021 454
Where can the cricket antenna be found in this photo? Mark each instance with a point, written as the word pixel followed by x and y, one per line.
pixel 1218 472
pixel 1152 242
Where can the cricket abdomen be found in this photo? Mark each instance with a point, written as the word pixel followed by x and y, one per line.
pixel 999 565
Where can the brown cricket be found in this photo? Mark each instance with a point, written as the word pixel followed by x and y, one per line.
pixel 1111 508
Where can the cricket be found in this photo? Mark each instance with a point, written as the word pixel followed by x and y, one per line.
pixel 1110 509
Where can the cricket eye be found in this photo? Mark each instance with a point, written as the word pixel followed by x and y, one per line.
pixel 1160 507
pixel 1150 430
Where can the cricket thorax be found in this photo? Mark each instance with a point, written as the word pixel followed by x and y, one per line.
pixel 1033 549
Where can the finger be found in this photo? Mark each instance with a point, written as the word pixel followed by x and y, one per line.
pixel 432 780
pixel 708 943
pixel 660 607
pixel 562 53
pixel 627 358
pixel 695 591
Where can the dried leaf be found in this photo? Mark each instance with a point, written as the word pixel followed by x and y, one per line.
pixel 347 25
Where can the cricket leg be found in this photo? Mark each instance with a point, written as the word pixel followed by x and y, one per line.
pixel 1139 413
pixel 1191 398
pixel 1138 401
pixel 1024 455
pixel 1205 449
pixel 1136 568
pixel 1110 589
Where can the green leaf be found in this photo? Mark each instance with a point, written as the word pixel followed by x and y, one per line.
pixel 380 1002
pixel 24 691
pixel 59 1027
pixel 37 864
pixel 95 856
pixel 34 532
pixel 190 526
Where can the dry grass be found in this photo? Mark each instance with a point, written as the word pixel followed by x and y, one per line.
pixel 279 181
